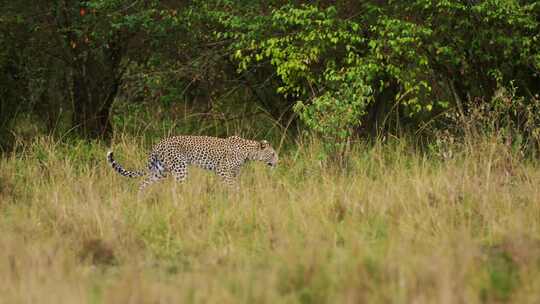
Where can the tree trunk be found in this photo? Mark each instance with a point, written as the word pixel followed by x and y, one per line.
pixel 90 117
pixel 95 84
pixel 377 119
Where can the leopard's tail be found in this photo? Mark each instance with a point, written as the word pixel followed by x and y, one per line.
pixel 118 168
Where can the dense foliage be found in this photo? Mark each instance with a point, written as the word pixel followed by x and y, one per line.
pixel 415 58
pixel 341 69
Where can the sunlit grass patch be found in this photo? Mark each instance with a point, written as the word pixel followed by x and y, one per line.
pixel 394 226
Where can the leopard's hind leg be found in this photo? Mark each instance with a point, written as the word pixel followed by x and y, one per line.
pixel 157 171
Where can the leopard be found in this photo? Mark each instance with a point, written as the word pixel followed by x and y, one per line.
pixel 223 156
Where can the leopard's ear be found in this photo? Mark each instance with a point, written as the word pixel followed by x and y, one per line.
pixel 264 144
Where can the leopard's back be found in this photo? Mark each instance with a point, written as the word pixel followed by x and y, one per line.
pixel 202 151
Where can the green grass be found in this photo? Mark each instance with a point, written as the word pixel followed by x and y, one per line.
pixel 395 227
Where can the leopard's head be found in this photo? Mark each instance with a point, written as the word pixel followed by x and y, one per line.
pixel 266 154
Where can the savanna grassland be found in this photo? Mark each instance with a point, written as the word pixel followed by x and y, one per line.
pixel 408 135
pixel 394 225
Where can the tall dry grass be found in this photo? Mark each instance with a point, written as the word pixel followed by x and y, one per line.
pixel 395 227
